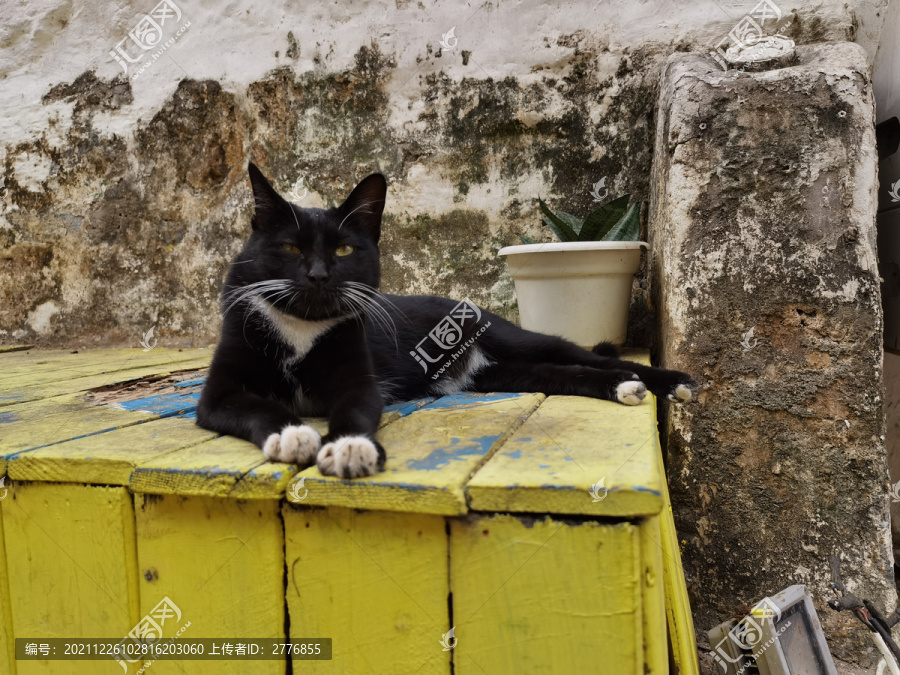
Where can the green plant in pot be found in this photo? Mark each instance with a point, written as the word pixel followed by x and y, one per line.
pixel 615 221
pixel 579 287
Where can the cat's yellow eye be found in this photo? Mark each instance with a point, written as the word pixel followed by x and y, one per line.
pixel 291 248
pixel 346 249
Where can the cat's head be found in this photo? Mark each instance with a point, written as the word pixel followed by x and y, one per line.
pixel 311 263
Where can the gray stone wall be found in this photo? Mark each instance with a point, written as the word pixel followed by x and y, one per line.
pixel 767 290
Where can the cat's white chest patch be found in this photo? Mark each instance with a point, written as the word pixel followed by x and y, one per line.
pixel 299 334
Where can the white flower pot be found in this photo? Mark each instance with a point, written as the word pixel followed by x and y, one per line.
pixel 579 290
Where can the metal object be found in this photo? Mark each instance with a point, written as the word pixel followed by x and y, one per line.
pixel 780 636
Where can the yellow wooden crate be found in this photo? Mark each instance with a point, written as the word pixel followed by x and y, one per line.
pixel 538 529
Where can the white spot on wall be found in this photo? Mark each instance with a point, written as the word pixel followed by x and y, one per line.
pixel 31 170
pixel 40 316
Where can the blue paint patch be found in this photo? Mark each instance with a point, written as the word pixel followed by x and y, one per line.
pixel 192 383
pixel 441 457
pixel 11 397
pixel 523 440
pixel 174 404
pixel 641 488
pixel 469 398
pixel 568 459
pixel 515 454
pixel 408 407
pixel 8 417
pixel 543 466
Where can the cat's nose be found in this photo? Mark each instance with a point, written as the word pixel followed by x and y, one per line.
pixel 317 273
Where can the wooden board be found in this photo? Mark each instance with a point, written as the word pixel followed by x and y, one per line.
pixel 230 466
pixel 430 455
pixel 546 596
pixel 14 348
pixel 7 639
pixel 375 582
pixel 37 424
pixel 27 369
pixel 656 651
pixel 108 458
pixel 25 390
pixel 221 561
pixel 568 445
pixel 72 567
pixel 213 469
pixel 682 639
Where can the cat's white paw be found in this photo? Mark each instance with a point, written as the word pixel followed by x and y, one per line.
pixel 683 393
pixel 348 457
pixel 631 392
pixel 294 445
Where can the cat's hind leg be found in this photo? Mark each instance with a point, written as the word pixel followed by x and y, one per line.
pixel 561 380
pixel 513 344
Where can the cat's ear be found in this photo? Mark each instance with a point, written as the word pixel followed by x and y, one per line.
pixel 268 204
pixel 365 205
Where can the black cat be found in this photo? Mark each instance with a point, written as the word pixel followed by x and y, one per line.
pixel 305 332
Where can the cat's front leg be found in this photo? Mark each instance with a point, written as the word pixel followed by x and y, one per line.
pixel 294 444
pixel 280 434
pixel 350 449
pixel 350 456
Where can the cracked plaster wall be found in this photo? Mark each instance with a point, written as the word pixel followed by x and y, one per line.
pixel 123 195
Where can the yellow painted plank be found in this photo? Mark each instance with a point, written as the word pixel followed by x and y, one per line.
pixel 14 348
pixel 20 369
pixel 229 466
pixel 656 652
pixel 545 596
pixel 108 458
pixel 48 360
pixel 568 445
pixel 72 567
pixel 29 391
pixel 212 469
pixel 682 640
pixel 7 639
pixel 430 455
pixel 268 480
pixel 221 561
pixel 225 466
pixel 30 425
pixel 374 582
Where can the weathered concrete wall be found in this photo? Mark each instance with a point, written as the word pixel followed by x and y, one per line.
pixel 763 220
pixel 123 196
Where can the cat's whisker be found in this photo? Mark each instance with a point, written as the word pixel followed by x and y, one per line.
pixel 365 309
pixel 375 311
pixel 239 294
pixel 375 293
pixel 243 293
pixel 293 213
pixel 355 305
pixel 354 211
